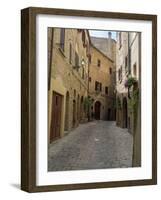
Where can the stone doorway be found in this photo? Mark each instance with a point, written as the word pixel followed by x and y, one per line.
pixel 109 114
pixel 74 113
pixel 125 115
pixel 97 107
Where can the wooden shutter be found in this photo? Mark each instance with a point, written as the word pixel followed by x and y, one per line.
pixel 70 53
pixel 62 38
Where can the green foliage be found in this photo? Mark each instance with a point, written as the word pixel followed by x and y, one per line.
pixel 133 104
pixel 118 103
pixel 87 103
pixel 130 81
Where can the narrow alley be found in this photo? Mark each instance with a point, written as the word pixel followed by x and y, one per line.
pixel 94 145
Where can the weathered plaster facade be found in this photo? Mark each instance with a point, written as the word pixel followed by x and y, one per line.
pixel 128 65
pixel 122 71
pixel 135 42
pixel 101 85
pixel 68 74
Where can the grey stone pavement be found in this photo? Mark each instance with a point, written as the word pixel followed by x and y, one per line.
pixel 94 145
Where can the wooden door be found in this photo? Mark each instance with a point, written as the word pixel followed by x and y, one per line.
pixel 125 114
pixel 55 116
pixel 74 113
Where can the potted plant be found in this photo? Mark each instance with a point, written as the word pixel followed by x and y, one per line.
pixel 130 82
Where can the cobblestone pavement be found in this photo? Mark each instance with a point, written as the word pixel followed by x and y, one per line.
pixel 94 145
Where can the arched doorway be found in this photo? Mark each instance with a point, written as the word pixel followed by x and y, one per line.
pixel 81 108
pixel 125 114
pixel 67 112
pixel 78 109
pixel 109 114
pixel 97 109
pixel 74 113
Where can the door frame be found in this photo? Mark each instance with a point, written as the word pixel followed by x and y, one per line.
pixel 99 104
pixel 51 138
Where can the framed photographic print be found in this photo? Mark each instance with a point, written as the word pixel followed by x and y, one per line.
pixel 88 99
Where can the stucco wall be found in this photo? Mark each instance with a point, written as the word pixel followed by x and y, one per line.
pixel 66 78
pixel 102 74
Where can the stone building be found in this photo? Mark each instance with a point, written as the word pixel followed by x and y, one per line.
pixel 106 45
pixel 101 85
pixel 122 71
pixel 128 88
pixel 68 61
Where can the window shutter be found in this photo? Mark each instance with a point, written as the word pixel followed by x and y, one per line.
pixel 76 60
pixel 70 53
pixel 62 38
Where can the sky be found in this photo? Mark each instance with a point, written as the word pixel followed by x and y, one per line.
pixel 103 34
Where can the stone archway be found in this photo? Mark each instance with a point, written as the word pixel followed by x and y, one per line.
pixel 109 114
pixel 81 108
pixel 74 113
pixel 97 110
pixel 78 109
pixel 125 113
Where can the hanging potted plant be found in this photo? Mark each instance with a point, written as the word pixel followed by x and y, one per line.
pixel 130 82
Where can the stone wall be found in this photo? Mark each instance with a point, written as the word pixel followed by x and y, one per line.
pixel 128 103
pixel 103 74
pixel 68 78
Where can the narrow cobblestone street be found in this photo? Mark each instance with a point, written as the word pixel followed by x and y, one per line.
pixel 94 145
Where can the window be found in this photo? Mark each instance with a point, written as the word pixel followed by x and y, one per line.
pixel 83 37
pixel 76 60
pixel 83 73
pixel 110 70
pixel 126 62
pixel 98 86
pixel 120 74
pixel 90 79
pixel 106 90
pixel 134 70
pixel 70 53
pixel 98 63
pixel 62 38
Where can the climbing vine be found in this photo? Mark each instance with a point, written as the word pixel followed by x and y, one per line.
pixel 87 103
pixel 133 104
pixel 130 81
pixel 118 103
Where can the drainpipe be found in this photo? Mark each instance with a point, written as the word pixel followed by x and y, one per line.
pixel 129 62
pixel 51 58
pixel 129 54
pixel 88 92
